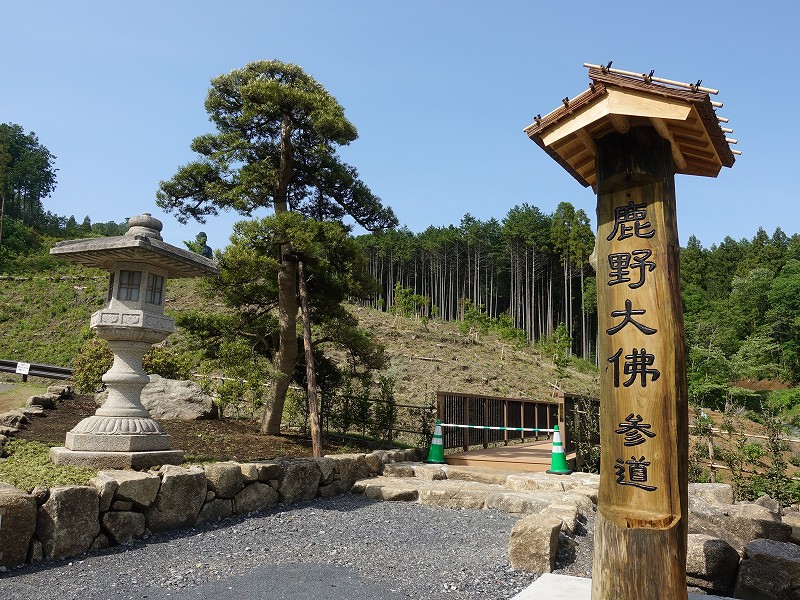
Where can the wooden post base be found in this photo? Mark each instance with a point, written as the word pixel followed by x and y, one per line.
pixel 655 564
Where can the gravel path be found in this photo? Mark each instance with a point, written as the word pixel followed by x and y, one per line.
pixel 346 547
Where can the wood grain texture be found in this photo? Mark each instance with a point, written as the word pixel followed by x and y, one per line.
pixel 640 535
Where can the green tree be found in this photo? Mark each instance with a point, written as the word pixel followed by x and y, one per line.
pixel 275 146
pixel 27 174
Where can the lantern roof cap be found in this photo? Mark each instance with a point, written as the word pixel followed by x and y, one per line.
pixel 141 243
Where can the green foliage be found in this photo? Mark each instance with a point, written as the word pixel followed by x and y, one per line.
pixel 277 131
pixel 242 389
pixel 556 346
pixel 385 410
pixel 584 425
pixel 93 359
pixel 169 363
pixel 29 465
pixel 27 173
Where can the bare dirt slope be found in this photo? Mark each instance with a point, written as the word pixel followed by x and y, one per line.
pixel 438 357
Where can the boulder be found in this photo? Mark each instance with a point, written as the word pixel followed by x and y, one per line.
pixel 132 486
pixel 792 518
pixel 475 474
pixel 327 468
pixel 757 580
pixel 398 470
pixel 737 524
pixel 784 555
pixel 255 497
pixel 374 463
pixel 179 498
pixel 214 510
pixel 568 513
pixel 224 478
pixel 771 505
pixel 533 543
pixel 711 563
pixel 349 469
pixel 173 399
pixel 48 401
pixel 299 481
pixel 430 472
pixel 105 486
pixel 61 390
pixel 101 542
pixel 17 524
pixel 3 442
pixel 454 495
pixel 541 482
pixel 69 521
pixel 712 493
pixel 249 472
pixel 15 419
pixel 31 411
pixel 386 488
pixel 269 470
pixel 517 502
pixel 124 526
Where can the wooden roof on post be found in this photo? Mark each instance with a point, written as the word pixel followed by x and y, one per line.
pixel 615 102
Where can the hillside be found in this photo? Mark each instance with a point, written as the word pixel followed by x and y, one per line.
pixel 45 319
pixel 436 356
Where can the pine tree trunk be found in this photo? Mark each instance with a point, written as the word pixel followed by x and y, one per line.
pixel 311 376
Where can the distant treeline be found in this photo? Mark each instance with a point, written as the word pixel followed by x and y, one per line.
pixel 530 265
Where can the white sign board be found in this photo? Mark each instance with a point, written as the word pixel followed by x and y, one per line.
pixel 23 368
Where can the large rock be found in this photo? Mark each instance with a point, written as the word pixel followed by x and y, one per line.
pixel 179 498
pixel 214 510
pixel 455 495
pixel 711 563
pixel 124 526
pixel 533 543
pixel 13 418
pixel 137 487
pixel 48 401
pixel 17 524
pixel 517 503
pixel 224 478
pixel 349 469
pixel 299 481
pixel 387 488
pixel 784 555
pixel 737 524
pixel 399 470
pixel 792 519
pixel 69 521
pixel 757 580
pixel 712 493
pixel 173 399
pixel 255 497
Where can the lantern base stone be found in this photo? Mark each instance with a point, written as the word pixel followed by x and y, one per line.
pixel 115 460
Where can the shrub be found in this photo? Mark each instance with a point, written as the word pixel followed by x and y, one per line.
pixel 93 359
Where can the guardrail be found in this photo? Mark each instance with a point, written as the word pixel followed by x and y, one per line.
pixel 25 369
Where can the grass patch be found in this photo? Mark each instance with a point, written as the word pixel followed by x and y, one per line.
pixel 18 395
pixel 28 465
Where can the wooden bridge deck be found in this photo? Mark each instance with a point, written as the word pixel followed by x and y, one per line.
pixel 531 457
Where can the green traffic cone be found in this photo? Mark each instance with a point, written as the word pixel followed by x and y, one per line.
pixel 558 461
pixel 436 453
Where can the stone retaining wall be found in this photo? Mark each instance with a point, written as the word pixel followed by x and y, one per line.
pixel 119 507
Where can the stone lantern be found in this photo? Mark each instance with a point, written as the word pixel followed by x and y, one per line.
pixel 121 433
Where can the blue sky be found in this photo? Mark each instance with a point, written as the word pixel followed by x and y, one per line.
pixel 439 91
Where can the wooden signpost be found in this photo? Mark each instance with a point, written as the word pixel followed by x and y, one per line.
pixel 627 136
